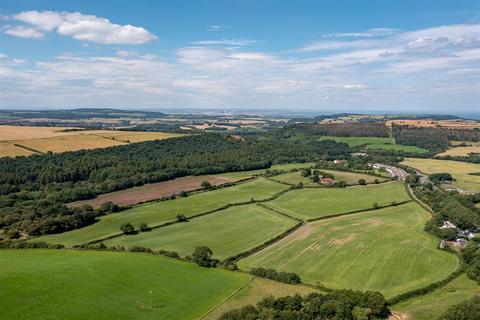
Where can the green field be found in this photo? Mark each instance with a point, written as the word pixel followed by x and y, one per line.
pixel 350 178
pixel 384 250
pixel 246 174
pixel 310 203
pixel 159 212
pixel 226 232
pixel 434 304
pixel 460 171
pixel 375 143
pixel 77 285
pixel 255 291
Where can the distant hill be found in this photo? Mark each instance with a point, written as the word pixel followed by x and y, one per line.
pixel 83 113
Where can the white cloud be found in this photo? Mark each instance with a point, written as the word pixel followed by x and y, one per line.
pixel 229 42
pixel 216 28
pixel 78 26
pixel 23 32
pixel 370 33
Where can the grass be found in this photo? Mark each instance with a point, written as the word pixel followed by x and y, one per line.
pixel 350 178
pixel 75 285
pixel 255 291
pixel 455 150
pixel 384 250
pixel 310 203
pixel 160 212
pixel 461 171
pixel 375 143
pixel 434 304
pixel 226 232
pixel 246 174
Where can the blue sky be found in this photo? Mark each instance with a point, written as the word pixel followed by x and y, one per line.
pixel 325 56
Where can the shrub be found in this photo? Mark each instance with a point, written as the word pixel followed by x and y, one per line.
pixel 181 217
pixel 127 228
pixel 362 182
pixel 202 256
pixel 144 227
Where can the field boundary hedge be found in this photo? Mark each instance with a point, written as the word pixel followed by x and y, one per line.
pixel 357 211
pixel 415 199
pixel 279 212
pixel 28 148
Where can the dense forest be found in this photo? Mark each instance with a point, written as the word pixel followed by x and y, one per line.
pixel 33 190
pixel 335 305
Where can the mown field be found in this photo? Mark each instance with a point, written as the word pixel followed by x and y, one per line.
pixel 472 147
pixel 461 171
pixel 160 212
pixel 151 191
pixel 385 250
pixel 77 285
pixel 226 232
pixel 27 140
pixel 311 203
pixel 375 143
pixel 255 291
pixel 434 304
pixel 246 174
pixel 350 178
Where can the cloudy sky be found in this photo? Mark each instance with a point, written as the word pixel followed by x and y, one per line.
pixel 330 56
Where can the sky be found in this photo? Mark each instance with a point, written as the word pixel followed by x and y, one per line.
pixel 322 56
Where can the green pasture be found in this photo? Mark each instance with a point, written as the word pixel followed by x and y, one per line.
pixel 384 250
pixel 375 143
pixel 226 232
pixel 246 174
pixel 155 213
pixel 310 203
pixel 77 285
pixel 350 178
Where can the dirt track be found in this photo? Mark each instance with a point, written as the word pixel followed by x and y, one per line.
pixel 152 191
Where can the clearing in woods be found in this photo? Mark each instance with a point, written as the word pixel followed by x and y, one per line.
pixel 382 250
pixel 434 304
pixel 285 167
pixel 462 172
pixel 375 143
pixel 350 178
pixel 312 203
pixel 156 213
pixel 227 232
pixel 76 285
pixel 152 191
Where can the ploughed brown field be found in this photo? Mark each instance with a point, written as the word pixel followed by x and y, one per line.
pixel 152 191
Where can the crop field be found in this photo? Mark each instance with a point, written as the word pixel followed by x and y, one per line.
pixel 375 143
pixel 62 139
pixel 461 171
pixel 75 285
pixel 434 304
pixel 160 212
pixel 455 150
pixel 384 250
pixel 226 232
pixel 311 203
pixel 246 174
pixel 151 191
pixel 255 291
pixel 350 178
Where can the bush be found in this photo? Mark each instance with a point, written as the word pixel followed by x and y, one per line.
pixel 202 256
pixel 362 182
pixel 127 228
pixel 144 227
pixel 183 194
pixel 181 217
pixel 286 277
pixel 206 185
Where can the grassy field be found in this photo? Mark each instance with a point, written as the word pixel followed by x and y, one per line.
pixel 246 174
pixel 375 143
pixel 255 291
pixel 385 250
pixel 77 285
pixel 434 304
pixel 461 171
pixel 310 203
pixel 159 212
pixel 226 232
pixel 472 147
pixel 350 178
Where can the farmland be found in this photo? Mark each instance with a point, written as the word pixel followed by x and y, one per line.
pixel 461 151
pixel 67 284
pixel 285 167
pixel 460 171
pixel 226 232
pixel 160 212
pixel 311 203
pixel 385 250
pixel 152 191
pixel 432 305
pixel 26 140
pixel 350 178
pixel 375 143
pixel 255 291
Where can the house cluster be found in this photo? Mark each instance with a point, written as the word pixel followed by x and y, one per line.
pixel 461 236
pixel 391 170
